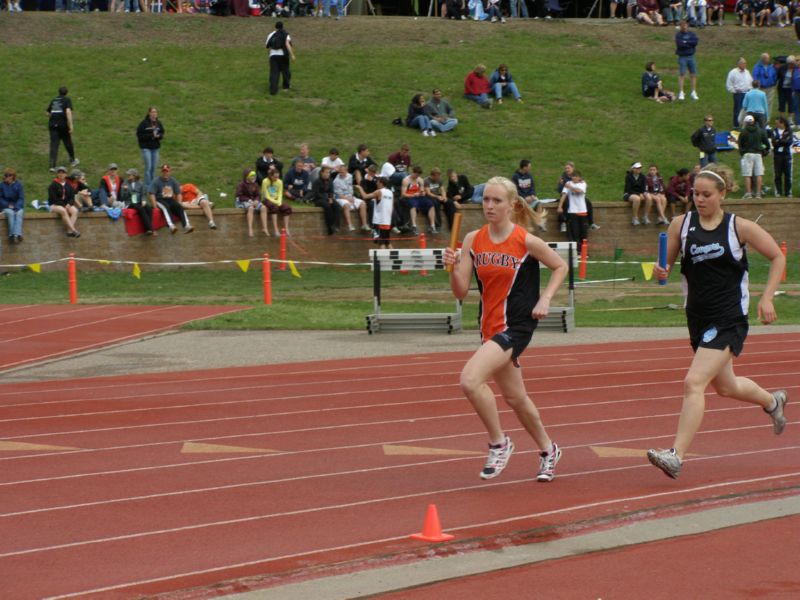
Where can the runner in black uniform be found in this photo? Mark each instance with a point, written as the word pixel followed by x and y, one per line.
pixel 714 270
pixel 60 125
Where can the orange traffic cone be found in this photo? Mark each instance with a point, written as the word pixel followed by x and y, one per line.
pixel 432 529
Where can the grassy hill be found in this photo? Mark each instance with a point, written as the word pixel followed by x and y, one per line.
pixel 208 77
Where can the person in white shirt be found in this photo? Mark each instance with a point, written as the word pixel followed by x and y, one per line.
pixel 577 213
pixel 344 196
pixel 382 213
pixel 739 82
pixel 332 161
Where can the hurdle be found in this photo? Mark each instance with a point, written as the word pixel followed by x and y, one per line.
pixel 560 318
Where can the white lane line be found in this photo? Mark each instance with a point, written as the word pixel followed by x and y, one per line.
pixel 55 314
pixel 532 360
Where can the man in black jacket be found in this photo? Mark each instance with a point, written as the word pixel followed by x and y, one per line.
pixel 279 44
pixel 753 145
pixel 704 139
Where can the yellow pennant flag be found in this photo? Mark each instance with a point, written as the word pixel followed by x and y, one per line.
pixel 294 270
pixel 35 267
pixel 104 262
pixel 647 269
pixel 137 272
pixel 243 265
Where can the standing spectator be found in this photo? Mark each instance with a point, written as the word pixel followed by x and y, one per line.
pixel 265 162
pixel 133 196
pixel 295 184
pixel 61 127
pixel 517 8
pixel 12 203
pixel 705 140
pixel 279 44
pixel 476 87
pixel 522 178
pixel 753 144
pixel 165 193
pixel 782 138
pixel 635 193
pixel 322 193
pixel 738 83
pixel 765 73
pixel 502 84
pixel 685 47
pixel 435 190
pixel 577 217
pixel 755 103
pixel 785 78
pixel 418 116
pixel 441 113
pixel 359 162
pixel 652 87
pixel 648 12
pixel 678 192
pixel 193 197
pixel 60 200
pixel 345 198
pixel 272 196
pixel 382 213
pixel 413 193
pixel 149 134
pixel 654 186
pixel 248 198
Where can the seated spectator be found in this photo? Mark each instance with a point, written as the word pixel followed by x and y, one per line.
pixel 418 116
pixel 476 87
pixel 272 197
pixel 654 187
pixel 575 207
pixel 744 10
pixel 635 193
pixel 456 9
pixel 493 11
pixel 358 163
pixel 502 84
pixel 441 113
pixel 332 161
pixel 309 164
pixel 413 193
pixel 109 187
pixel 82 193
pixel 760 15
pixel 779 15
pixel 696 13
pixel 522 178
pixel 678 192
pixel 477 194
pixel 715 8
pixel 629 5
pixel 382 213
pixel 401 161
pixel 265 162
pixel 12 203
pixel 435 190
pixel 323 197
pixel 61 201
pixel 672 11
pixel 133 196
pixel 345 198
pixel 648 12
pixel 165 192
pixel 192 197
pixel 652 87
pixel 295 184
pixel 248 198
pixel 459 189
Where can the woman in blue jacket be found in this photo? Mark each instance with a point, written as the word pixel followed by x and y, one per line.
pixel 12 203
pixel 502 83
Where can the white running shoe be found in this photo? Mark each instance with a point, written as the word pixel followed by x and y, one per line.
pixel 645 221
pixel 667 461
pixel 547 464
pixel 694 95
pixel 497 459
pixel 635 221
pixel 681 96
pixel 776 414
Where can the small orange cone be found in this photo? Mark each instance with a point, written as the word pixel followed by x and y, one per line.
pixel 432 529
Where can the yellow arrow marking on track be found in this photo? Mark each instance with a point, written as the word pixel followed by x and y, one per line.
pixel 23 447
pixel 390 450
pixel 200 448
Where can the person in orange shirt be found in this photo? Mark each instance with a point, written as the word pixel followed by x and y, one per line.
pixel 192 197
pixel 505 259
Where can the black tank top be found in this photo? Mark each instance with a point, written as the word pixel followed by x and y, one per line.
pixel 714 270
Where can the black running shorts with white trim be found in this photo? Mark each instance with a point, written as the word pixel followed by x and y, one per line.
pixel 703 334
pixel 516 340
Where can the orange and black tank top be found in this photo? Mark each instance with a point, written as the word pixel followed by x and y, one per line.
pixel 508 281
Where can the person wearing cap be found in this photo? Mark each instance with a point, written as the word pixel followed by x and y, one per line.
pixel 109 188
pixel 279 44
pixel 165 194
pixel 786 75
pixel 635 193
pixel 248 198
pixel 738 83
pixel 61 200
pixel 12 203
pixel 133 196
pixel 61 127
pixel 149 134
pixel 753 144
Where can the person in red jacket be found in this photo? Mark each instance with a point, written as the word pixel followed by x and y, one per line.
pixel 476 87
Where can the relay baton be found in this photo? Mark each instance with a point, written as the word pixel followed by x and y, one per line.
pixel 454 231
pixel 662 254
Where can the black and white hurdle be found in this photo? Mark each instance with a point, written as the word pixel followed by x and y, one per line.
pixel 414 259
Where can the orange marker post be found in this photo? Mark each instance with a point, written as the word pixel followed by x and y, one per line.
pixel 423 244
pixel 72 278
pixel 785 252
pixel 584 256
pixel 432 528
pixel 282 266
pixel 267 280
pixel 454 233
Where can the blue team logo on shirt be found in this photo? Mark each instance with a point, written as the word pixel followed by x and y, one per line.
pixel 706 252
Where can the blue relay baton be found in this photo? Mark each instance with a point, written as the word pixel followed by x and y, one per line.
pixel 662 254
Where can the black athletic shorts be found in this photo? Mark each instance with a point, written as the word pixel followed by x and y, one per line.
pixel 515 339
pixel 703 334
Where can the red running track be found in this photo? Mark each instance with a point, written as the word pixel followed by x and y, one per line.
pixel 33 333
pixel 338 460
